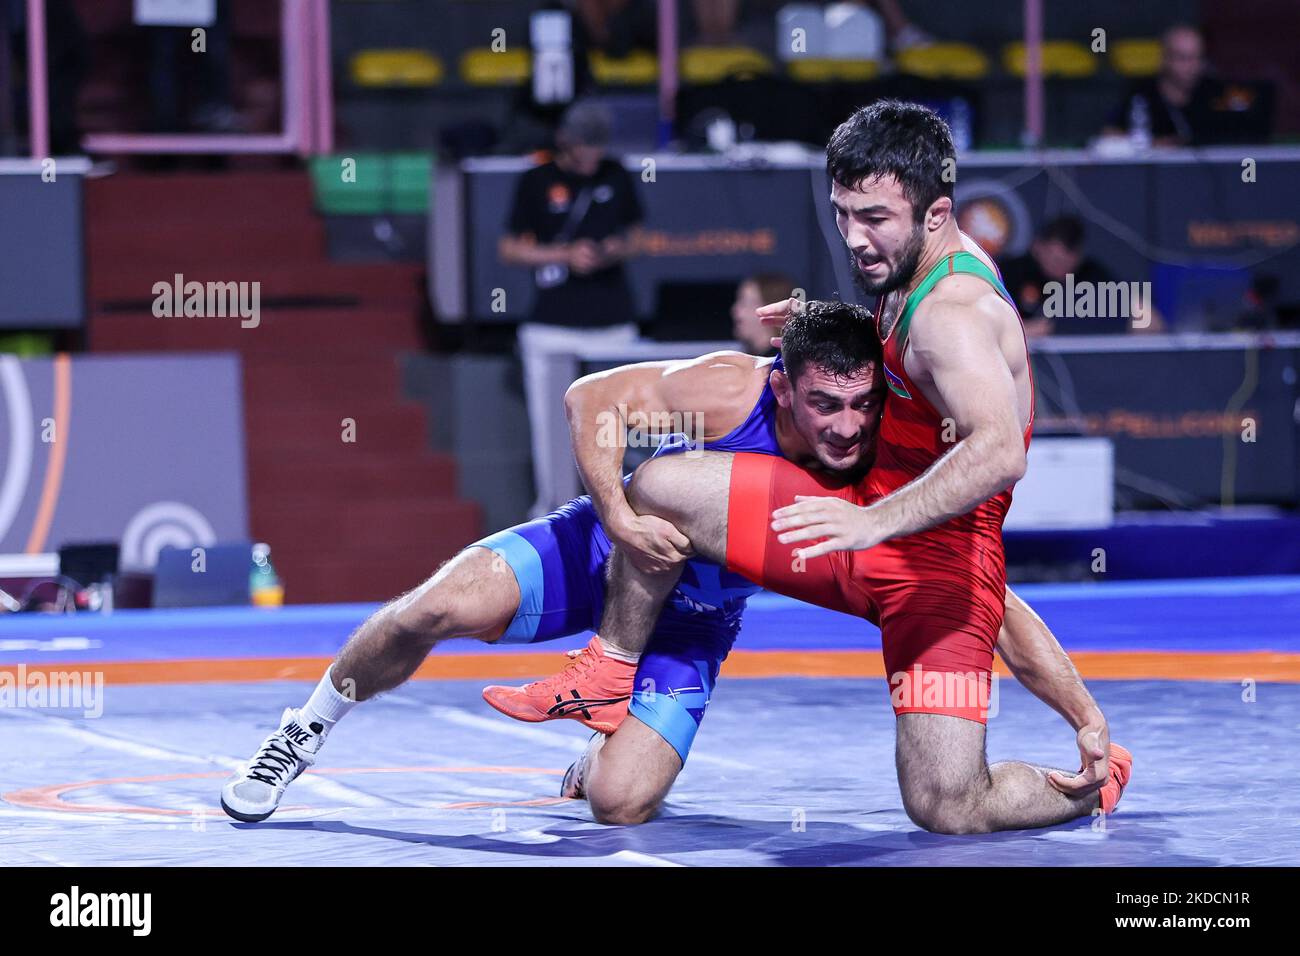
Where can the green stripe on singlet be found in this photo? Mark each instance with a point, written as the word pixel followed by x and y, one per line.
pixel 965 262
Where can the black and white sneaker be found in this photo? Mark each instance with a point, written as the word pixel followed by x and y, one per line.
pixel 254 792
pixel 572 784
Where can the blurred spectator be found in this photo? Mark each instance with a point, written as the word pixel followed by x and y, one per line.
pixel 1057 254
pixel 174 64
pixel 1259 311
pixel 758 290
pixel 569 223
pixel 67 52
pixel 1171 108
pixel 715 21
pixel 614 27
pixel 903 33
pixel 617 27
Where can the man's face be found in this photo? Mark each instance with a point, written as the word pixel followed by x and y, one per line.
pixel 884 241
pixel 836 417
pixel 582 159
pixel 745 324
pixel 1182 57
pixel 1055 258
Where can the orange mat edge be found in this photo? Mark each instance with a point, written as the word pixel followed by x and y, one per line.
pixel 1093 665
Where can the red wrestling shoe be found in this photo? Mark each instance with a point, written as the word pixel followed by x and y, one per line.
pixel 1121 768
pixel 593 689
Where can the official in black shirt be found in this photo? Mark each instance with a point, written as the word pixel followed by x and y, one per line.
pixel 569 223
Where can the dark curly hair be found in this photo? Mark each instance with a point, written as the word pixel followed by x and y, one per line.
pixel 837 337
pixel 893 138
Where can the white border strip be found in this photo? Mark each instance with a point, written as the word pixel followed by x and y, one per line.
pixel 796 156
pixel 29 565
pixel 18 400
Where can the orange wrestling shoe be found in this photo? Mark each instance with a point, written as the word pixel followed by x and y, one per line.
pixel 1121 769
pixel 593 689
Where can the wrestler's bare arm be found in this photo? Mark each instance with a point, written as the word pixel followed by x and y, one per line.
pixel 1037 660
pixel 706 397
pixel 957 360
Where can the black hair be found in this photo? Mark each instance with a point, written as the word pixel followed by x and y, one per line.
pixel 893 138
pixel 837 337
pixel 1067 230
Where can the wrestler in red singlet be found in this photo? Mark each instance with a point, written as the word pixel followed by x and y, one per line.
pixel 938 595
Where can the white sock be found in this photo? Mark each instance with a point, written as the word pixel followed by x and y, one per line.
pixel 619 655
pixel 326 705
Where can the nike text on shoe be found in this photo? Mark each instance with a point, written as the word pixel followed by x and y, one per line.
pixel 253 793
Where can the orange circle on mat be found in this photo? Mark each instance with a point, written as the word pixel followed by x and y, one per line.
pixel 51 797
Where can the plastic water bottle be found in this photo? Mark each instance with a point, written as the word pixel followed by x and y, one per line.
pixel 961 131
pixel 264 585
pixel 1139 123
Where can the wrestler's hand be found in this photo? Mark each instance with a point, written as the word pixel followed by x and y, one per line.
pixel 653 545
pixel 1094 752
pixel 776 313
pixel 844 525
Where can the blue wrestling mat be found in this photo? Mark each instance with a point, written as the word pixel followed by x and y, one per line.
pixel 786 771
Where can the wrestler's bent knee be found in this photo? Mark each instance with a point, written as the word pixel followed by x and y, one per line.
pixel 653 488
pixel 621 810
pixel 940 813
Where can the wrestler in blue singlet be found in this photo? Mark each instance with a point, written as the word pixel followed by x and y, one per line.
pixel 559 562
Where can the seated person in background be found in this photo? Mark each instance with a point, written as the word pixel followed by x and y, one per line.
pixel 1175 99
pixel 1056 253
pixel 715 21
pixel 616 27
pixel 758 290
pixel 1260 310
pixel 903 33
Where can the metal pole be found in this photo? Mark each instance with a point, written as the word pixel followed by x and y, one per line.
pixel 38 94
pixel 667 69
pixel 324 91
pixel 1033 134
pixel 295 73
pixel 8 128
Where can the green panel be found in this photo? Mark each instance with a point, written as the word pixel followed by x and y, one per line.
pixel 361 192
pixel 384 183
pixel 411 174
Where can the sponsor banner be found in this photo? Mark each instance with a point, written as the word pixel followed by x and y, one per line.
pixel 1158 222
pixel 700 225
pixel 1190 426
pixel 1155 222
pixel 145 451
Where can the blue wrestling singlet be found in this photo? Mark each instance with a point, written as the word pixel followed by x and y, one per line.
pixel 559 562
